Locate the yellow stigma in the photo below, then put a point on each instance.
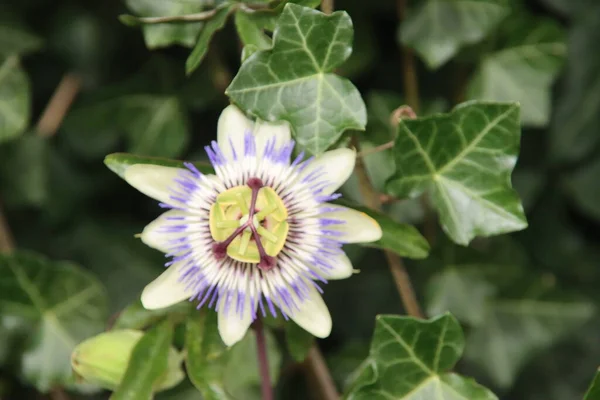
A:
(236, 221)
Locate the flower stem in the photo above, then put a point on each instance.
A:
(409, 70)
(263, 362)
(327, 6)
(7, 242)
(401, 278)
(320, 374)
(59, 104)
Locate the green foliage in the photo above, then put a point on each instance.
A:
(329, 104)
(440, 28)
(411, 359)
(465, 159)
(593, 392)
(60, 303)
(14, 98)
(298, 341)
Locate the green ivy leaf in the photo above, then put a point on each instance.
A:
(167, 34)
(250, 31)
(118, 163)
(17, 40)
(523, 70)
(210, 27)
(59, 303)
(298, 341)
(147, 365)
(14, 99)
(135, 316)
(410, 360)
(403, 239)
(465, 159)
(207, 355)
(440, 28)
(574, 130)
(292, 81)
(593, 392)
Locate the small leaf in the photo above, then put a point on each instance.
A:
(524, 70)
(166, 34)
(298, 341)
(207, 355)
(210, 27)
(250, 32)
(465, 158)
(103, 360)
(118, 163)
(14, 99)
(440, 28)
(403, 239)
(292, 81)
(410, 359)
(60, 303)
(135, 316)
(593, 392)
(148, 363)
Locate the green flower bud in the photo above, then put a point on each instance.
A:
(103, 359)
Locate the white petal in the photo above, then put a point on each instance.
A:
(337, 166)
(263, 131)
(153, 180)
(313, 315)
(233, 326)
(231, 128)
(358, 226)
(342, 267)
(153, 234)
(166, 290)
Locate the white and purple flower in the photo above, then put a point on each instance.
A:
(257, 237)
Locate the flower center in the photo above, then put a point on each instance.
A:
(249, 224)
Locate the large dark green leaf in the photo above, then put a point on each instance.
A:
(14, 98)
(147, 365)
(167, 34)
(593, 392)
(61, 304)
(524, 70)
(410, 359)
(293, 80)
(206, 33)
(465, 158)
(440, 28)
(574, 130)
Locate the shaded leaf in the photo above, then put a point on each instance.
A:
(292, 81)
(60, 303)
(524, 70)
(167, 34)
(118, 163)
(411, 359)
(14, 99)
(148, 363)
(250, 32)
(17, 40)
(582, 187)
(465, 158)
(440, 28)
(135, 316)
(403, 239)
(593, 392)
(210, 27)
(298, 341)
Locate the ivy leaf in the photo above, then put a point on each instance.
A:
(17, 40)
(515, 330)
(465, 159)
(147, 365)
(135, 316)
(210, 27)
(167, 34)
(207, 355)
(298, 341)
(14, 99)
(250, 32)
(118, 163)
(440, 28)
(574, 129)
(593, 392)
(292, 81)
(59, 303)
(410, 360)
(403, 239)
(524, 70)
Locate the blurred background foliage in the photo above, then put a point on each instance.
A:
(528, 301)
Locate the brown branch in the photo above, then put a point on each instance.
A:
(376, 149)
(373, 200)
(327, 6)
(7, 242)
(409, 70)
(201, 16)
(320, 375)
(59, 105)
(58, 394)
